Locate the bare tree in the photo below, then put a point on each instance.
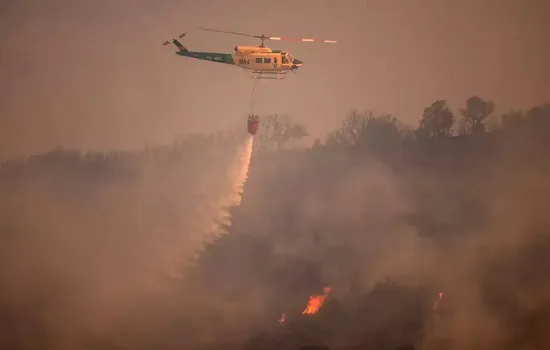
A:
(290, 132)
(277, 129)
(354, 125)
(336, 139)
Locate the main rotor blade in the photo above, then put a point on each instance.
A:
(228, 32)
(278, 38)
(288, 38)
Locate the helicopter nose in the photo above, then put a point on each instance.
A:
(296, 63)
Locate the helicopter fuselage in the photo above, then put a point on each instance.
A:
(264, 59)
(255, 58)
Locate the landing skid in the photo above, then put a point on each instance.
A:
(269, 75)
(259, 76)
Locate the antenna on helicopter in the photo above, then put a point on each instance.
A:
(263, 37)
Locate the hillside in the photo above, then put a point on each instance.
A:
(91, 244)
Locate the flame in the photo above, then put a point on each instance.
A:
(315, 302)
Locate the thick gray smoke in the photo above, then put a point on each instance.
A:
(88, 238)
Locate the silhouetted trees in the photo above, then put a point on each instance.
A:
(278, 130)
(384, 133)
(477, 111)
(512, 119)
(381, 134)
(437, 121)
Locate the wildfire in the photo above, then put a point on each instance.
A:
(315, 302)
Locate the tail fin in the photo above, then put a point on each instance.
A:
(177, 43)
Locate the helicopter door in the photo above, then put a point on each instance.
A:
(259, 63)
(275, 62)
(268, 61)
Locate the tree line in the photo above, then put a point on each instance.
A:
(386, 133)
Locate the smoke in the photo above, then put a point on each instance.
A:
(90, 244)
(334, 218)
(88, 240)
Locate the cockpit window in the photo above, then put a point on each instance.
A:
(290, 57)
(284, 60)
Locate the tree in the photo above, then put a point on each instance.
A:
(335, 139)
(279, 130)
(476, 112)
(354, 126)
(493, 123)
(512, 119)
(381, 134)
(289, 132)
(436, 121)
(538, 120)
(539, 114)
(316, 144)
(351, 130)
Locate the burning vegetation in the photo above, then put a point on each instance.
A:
(315, 302)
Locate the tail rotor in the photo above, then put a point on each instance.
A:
(179, 36)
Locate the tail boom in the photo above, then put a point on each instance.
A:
(179, 45)
(226, 58)
(208, 56)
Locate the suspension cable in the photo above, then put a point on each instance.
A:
(252, 96)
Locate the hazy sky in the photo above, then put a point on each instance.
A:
(94, 74)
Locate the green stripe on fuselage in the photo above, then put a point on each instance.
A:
(208, 56)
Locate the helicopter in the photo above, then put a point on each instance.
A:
(262, 61)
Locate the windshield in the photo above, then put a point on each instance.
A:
(290, 58)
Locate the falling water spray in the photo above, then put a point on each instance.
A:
(216, 215)
(238, 176)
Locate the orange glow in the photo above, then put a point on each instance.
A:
(315, 302)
